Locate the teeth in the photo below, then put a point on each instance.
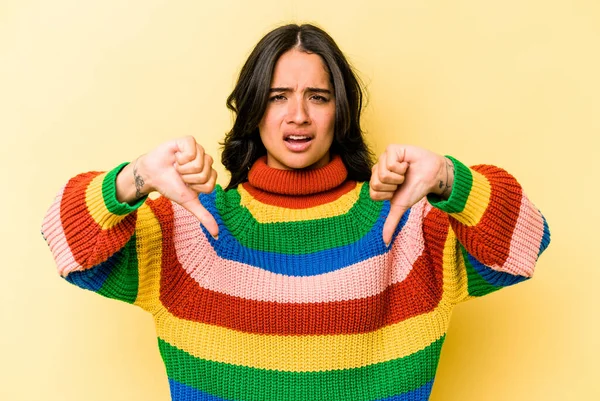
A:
(297, 137)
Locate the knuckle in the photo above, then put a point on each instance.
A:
(188, 141)
(197, 164)
(202, 177)
(386, 176)
(199, 188)
(183, 157)
(378, 186)
(377, 195)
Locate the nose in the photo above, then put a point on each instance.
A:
(297, 112)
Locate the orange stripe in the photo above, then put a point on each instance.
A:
(300, 201)
(500, 218)
(79, 226)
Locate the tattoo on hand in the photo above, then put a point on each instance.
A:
(446, 185)
(139, 182)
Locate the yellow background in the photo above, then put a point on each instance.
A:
(86, 85)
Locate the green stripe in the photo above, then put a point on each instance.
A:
(308, 236)
(122, 282)
(463, 182)
(240, 382)
(477, 286)
(109, 193)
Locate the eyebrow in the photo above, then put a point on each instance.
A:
(311, 89)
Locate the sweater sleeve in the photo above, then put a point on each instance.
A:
(102, 245)
(499, 233)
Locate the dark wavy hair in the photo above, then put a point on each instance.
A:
(242, 145)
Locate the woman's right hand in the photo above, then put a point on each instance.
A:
(178, 170)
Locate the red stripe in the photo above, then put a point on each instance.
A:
(79, 226)
(299, 201)
(419, 293)
(500, 218)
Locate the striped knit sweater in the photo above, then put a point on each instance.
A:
(299, 298)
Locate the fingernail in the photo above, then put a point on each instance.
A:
(387, 244)
(216, 237)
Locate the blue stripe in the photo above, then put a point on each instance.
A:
(494, 277)
(93, 279)
(370, 245)
(180, 391)
(545, 238)
(419, 394)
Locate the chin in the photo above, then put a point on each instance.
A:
(296, 161)
(296, 165)
(303, 163)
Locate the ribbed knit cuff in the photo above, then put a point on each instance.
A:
(461, 188)
(109, 193)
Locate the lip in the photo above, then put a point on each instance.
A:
(287, 134)
(297, 146)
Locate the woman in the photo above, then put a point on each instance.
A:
(299, 283)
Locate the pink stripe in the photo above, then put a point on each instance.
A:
(525, 241)
(211, 272)
(55, 236)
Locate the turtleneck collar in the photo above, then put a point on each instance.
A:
(297, 182)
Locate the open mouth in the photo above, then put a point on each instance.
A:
(298, 142)
(298, 138)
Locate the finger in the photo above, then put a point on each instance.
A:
(203, 176)
(196, 168)
(394, 157)
(376, 184)
(392, 221)
(196, 179)
(187, 150)
(394, 161)
(381, 187)
(387, 176)
(379, 191)
(395, 154)
(208, 221)
(205, 187)
(381, 195)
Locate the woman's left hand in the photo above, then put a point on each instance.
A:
(404, 175)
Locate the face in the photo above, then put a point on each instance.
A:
(298, 124)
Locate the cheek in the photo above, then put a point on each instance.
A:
(328, 121)
(270, 122)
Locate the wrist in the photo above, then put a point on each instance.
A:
(444, 179)
(131, 182)
(141, 180)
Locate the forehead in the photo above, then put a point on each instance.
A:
(298, 68)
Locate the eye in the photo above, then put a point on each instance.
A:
(319, 98)
(276, 98)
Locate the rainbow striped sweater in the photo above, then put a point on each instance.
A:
(298, 298)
